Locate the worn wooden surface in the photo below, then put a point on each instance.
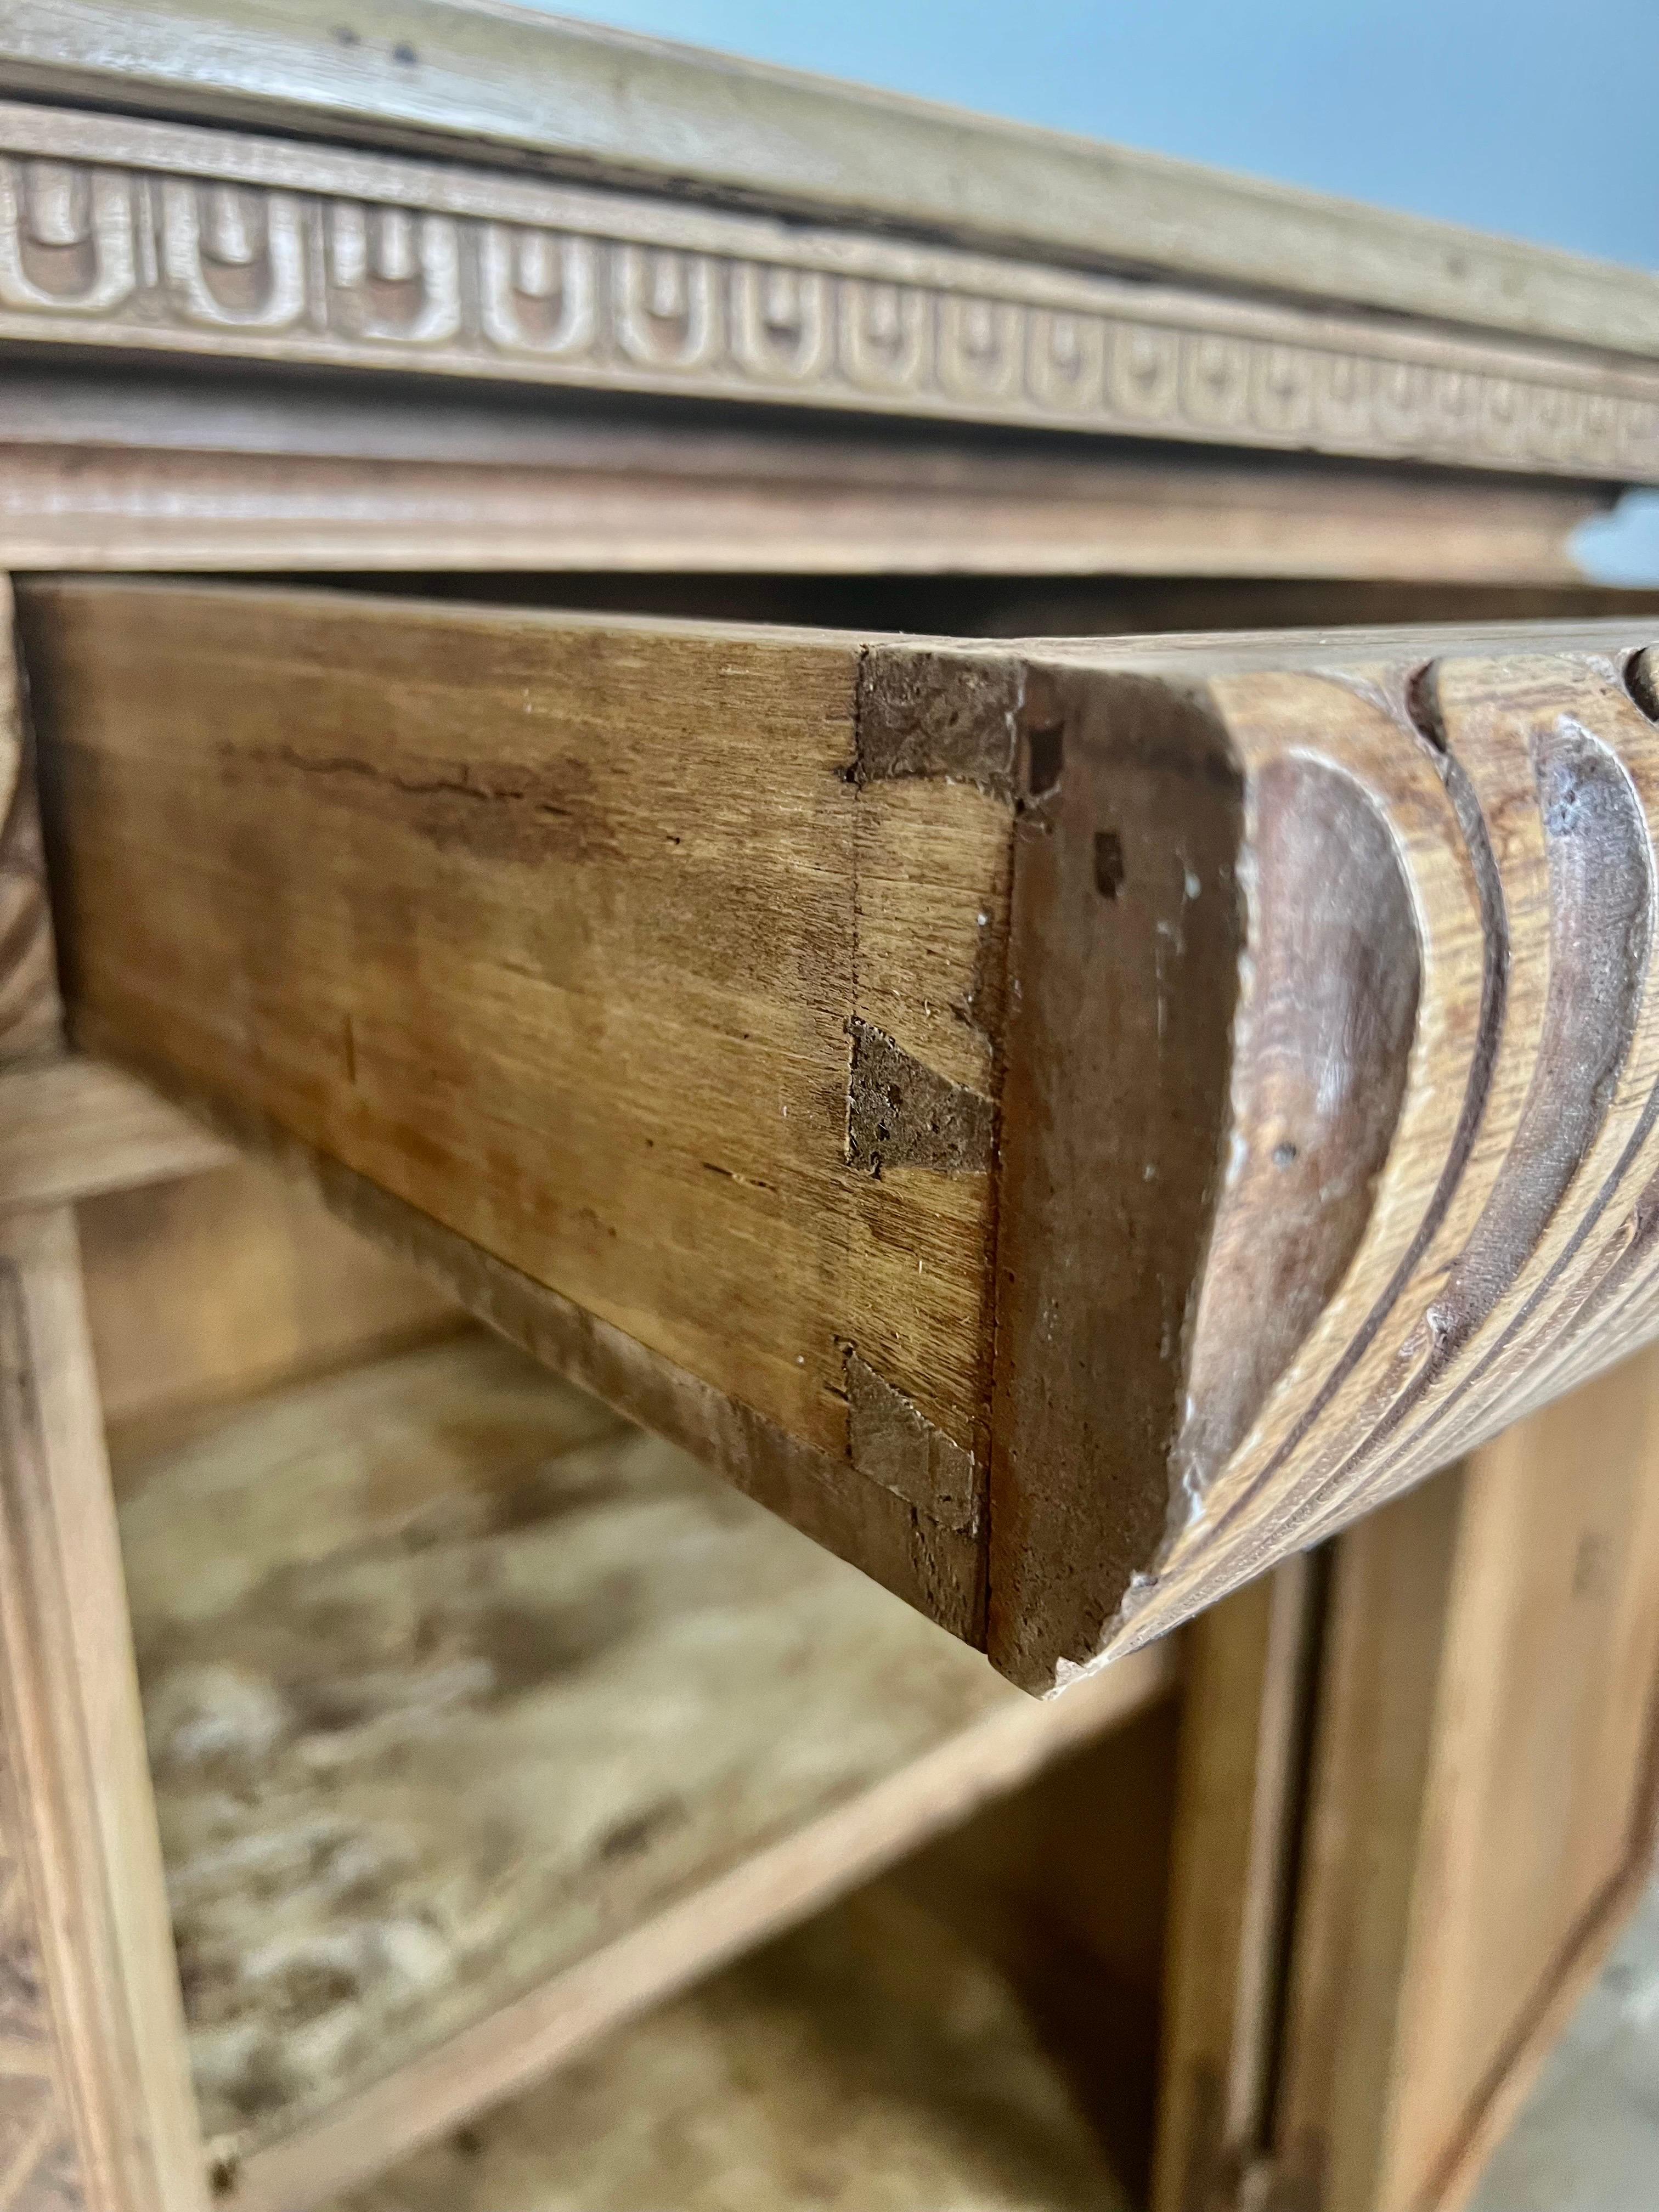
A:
(120, 236)
(231, 1281)
(872, 2059)
(1483, 1795)
(522, 1718)
(692, 936)
(867, 996)
(31, 1017)
(94, 2105)
(71, 1129)
(129, 470)
(1252, 1673)
(1470, 1818)
(1403, 1193)
(565, 96)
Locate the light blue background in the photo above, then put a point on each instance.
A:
(1539, 117)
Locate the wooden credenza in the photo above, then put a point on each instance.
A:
(940, 813)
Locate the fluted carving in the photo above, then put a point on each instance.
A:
(31, 1016)
(1429, 1162)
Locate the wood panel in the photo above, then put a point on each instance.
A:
(574, 98)
(692, 938)
(524, 1720)
(94, 2104)
(1483, 1807)
(31, 1017)
(206, 1287)
(1472, 1822)
(1067, 1123)
(132, 472)
(1065, 1885)
(1252, 1670)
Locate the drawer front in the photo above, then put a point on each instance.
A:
(1067, 1125)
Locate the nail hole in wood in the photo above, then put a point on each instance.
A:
(1108, 863)
(1044, 757)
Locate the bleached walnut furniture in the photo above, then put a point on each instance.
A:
(1074, 1125)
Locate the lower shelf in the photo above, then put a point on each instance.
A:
(480, 1721)
(869, 2062)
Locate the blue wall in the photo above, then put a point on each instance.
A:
(1533, 116)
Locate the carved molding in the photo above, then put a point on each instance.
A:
(1399, 1100)
(31, 1014)
(42, 2167)
(120, 233)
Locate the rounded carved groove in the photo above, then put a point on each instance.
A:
(1322, 1042)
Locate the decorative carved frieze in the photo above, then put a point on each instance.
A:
(121, 233)
(31, 1013)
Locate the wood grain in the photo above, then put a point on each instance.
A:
(874, 2057)
(524, 1718)
(1483, 1799)
(31, 1016)
(96, 2101)
(1424, 1193)
(1069, 1123)
(572, 98)
(231, 1281)
(71, 1129)
(691, 932)
(128, 471)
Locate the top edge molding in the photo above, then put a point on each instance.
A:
(485, 81)
(131, 235)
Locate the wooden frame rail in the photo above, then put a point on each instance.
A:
(1418, 1804)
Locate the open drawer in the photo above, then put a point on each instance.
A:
(703, 1007)
(1068, 1125)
